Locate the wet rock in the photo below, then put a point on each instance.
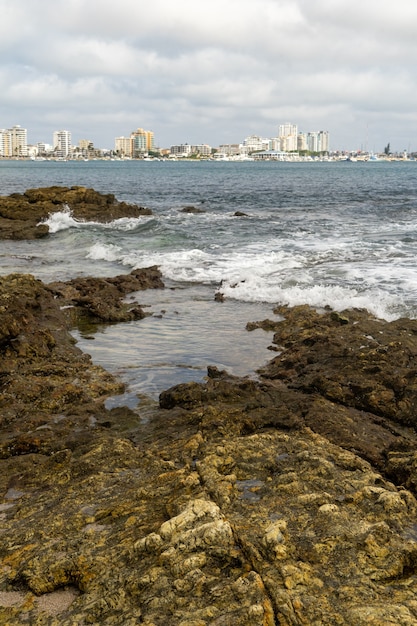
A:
(102, 299)
(22, 215)
(237, 501)
(47, 385)
(192, 210)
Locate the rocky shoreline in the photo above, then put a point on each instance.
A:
(23, 215)
(289, 500)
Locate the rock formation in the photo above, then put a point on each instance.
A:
(289, 500)
(22, 216)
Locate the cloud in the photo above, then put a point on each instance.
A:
(212, 70)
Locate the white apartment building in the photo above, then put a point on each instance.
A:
(186, 150)
(287, 129)
(302, 142)
(14, 142)
(62, 143)
(180, 150)
(318, 141)
(229, 149)
(137, 145)
(287, 134)
(290, 140)
(202, 148)
(19, 141)
(324, 141)
(254, 143)
(123, 146)
(5, 143)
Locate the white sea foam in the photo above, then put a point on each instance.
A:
(63, 220)
(104, 252)
(339, 298)
(279, 277)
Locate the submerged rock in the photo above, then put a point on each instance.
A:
(191, 209)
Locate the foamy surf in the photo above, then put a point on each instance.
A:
(321, 235)
(271, 277)
(64, 220)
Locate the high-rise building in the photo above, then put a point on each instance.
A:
(62, 143)
(5, 143)
(302, 142)
(324, 141)
(18, 140)
(290, 140)
(142, 141)
(318, 141)
(287, 133)
(312, 141)
(284, 130)
(123, 146)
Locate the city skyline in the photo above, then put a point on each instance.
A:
(212, 71)
(14, 142)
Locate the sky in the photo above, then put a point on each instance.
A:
(211, 71)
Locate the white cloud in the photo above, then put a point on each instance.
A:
(209, 69)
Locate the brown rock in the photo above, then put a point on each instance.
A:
(102, 299)
(191, 209)
(21, 215)
(237, 501)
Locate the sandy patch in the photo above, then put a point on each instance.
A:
(11, 598)
(57, 601)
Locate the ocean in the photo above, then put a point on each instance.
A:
(325, 233)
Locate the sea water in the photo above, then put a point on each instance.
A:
(326, 233)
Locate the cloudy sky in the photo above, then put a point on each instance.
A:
(211, 71)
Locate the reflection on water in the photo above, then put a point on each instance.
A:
(187, 332)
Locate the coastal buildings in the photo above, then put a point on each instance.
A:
(139, 143)
(62, 143)
(187, 150)
(142, 142)
(254, 143)
(123, 146)
(318, 141)
(5, 143)
(13, 142)
(287, 137)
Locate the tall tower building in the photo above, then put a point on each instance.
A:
(302, 141)
(62, 143)
(284, 130)
(18, 140)
(287, 133)
(313, 141)
(142, 141)
(123, 146)
(318, 141)
(324, 141)
(5, 143)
